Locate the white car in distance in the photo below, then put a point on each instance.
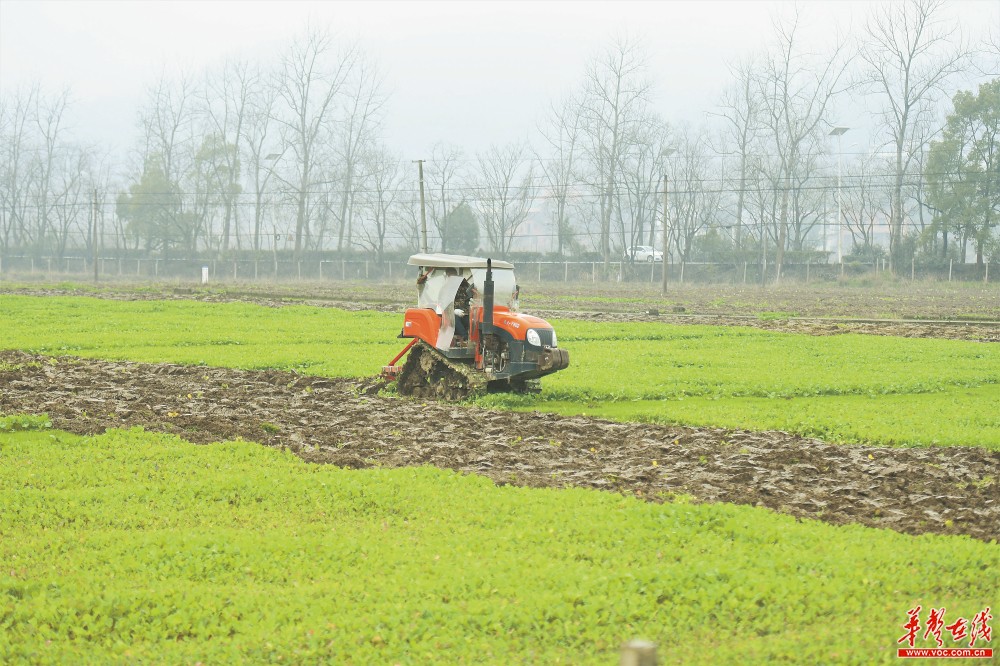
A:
(643, 253)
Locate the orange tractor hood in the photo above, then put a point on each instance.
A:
(515, 323)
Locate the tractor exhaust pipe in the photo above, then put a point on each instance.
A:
(488, 296)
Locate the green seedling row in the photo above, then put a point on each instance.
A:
(136, 547)
(850, 388)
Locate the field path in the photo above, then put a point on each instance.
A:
(947, 490)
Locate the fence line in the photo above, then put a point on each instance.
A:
(225, 270)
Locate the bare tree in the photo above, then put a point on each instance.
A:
(214, 186)
(406, 224)
(909, 56)
(562, 134)
(806, 205)
(167, 124)
(797, 90)
(441, 175)
(867, 200)
(360, 121)
(615, 100)
(258, 147)
(71, 197)
(227, 100)
(763, 203)
(48, 117)
(741, 107)
(380, 199)
(16, 114)
(505, 195)
(312, 77)
(98, 183)
(693, 201)
(642, 171)
(168, 150)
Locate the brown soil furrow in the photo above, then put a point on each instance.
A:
(946, 490)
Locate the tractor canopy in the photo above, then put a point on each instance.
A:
(441, 275)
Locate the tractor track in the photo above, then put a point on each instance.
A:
(946, 490)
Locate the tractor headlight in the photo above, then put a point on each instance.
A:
(533, 338)
(554, 343)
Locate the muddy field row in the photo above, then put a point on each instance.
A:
(933, 490)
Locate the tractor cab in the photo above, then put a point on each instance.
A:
(452, 287)
(437, 284)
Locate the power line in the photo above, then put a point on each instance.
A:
(470, 193)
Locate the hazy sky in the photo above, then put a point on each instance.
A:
(468, 73)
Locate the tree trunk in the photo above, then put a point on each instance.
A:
(779, 258)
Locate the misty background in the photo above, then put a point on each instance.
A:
(777, 131)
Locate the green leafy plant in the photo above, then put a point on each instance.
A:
(21, 422)
(139, 547)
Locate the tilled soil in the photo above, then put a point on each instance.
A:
(953, 490)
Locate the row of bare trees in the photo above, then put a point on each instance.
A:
(289, 155)
(48, 183)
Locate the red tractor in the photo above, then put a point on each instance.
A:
(467, 335)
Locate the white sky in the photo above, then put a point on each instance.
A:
(467, 73)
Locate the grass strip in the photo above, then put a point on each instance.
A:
(848, 388)
(140, 547)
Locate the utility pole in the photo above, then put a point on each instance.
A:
(666, 237)
(666, 153)
(423, 209)
(840, 205)
(839, 132)
(93, 237)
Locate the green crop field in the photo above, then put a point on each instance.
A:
(136, 547)
(851, 388)
(139, 547)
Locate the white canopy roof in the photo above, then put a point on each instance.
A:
(438, 260)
